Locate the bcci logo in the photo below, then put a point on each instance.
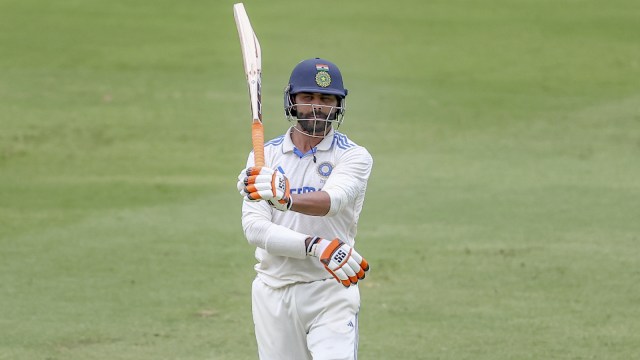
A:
(323, 79)
(325, 169)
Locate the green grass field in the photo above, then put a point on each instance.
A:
(502, 219)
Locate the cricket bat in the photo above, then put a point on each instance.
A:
(251, 55)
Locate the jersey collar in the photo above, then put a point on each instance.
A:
(324, 145)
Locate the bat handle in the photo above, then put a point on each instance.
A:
(257, 138)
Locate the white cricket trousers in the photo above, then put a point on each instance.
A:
(306, 321)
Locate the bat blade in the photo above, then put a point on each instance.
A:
(252, 57)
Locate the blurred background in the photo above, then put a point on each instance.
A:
(501, 219)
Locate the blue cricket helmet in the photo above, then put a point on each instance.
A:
(315, 76)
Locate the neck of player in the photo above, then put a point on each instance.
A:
(304, 142)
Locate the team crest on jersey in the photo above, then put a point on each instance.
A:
(325, 169)
(323, 79)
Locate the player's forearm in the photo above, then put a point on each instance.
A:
(314, 203)
(275, 239)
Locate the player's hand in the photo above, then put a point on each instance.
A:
(341, 260)
(262, 183)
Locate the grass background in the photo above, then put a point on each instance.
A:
(501, 219)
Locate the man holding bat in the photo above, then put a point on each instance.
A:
(301, 211)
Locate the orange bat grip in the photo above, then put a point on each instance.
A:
(257, 138)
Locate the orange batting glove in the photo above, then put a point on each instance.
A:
(262, 183)
(341, 260)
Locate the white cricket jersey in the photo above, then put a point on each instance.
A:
(337, 166)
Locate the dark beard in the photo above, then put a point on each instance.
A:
(315, 127)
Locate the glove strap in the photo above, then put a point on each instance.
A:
(289, 202)
(313, 246)
(279, 207)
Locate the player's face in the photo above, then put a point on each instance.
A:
(314, 109)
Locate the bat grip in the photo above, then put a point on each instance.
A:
(257, 138)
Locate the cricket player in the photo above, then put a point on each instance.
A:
(301, 212)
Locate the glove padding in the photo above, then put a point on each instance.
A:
(341, 260)
(262, 183)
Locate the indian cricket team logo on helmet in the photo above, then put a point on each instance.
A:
(323, 79)
(325, 169)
